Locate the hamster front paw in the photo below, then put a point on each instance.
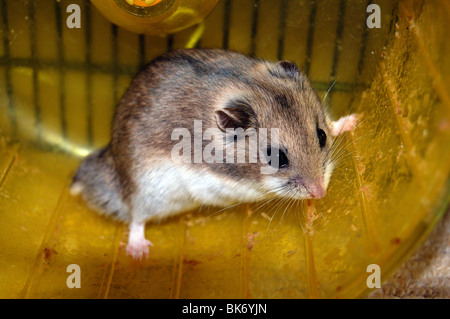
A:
(137, 243)
(139, 249)
(344, 124)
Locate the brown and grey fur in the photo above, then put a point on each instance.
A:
(133, 178)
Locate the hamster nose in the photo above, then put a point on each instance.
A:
(316, 190)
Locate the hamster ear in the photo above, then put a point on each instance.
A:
(290, 68)
(236, 114)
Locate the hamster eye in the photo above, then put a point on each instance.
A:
(282, 158)
(322, 137)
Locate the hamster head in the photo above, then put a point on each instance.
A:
(294, 155)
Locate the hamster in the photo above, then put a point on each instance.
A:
(140, 175)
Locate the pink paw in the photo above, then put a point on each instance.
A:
(138, 248)
(344, 124)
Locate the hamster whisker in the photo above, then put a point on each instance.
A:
(336, 152)
(299, 210)
(226, 208)
(285, 208)
(342, 151)
(303, 216)
(340, 163)
(361, 122)
(270, 200)
(336, 143)
(276, 209)
(288, 206)
(234, 205)
(339, 147)
(264, 203)
(328, 91)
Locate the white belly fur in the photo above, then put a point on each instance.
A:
(168, 189)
